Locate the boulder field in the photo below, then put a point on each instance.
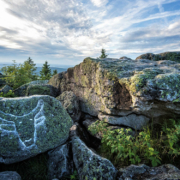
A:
(53, 116)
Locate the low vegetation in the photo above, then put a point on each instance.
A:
(148, 147)
(19, 74)
(9, 94)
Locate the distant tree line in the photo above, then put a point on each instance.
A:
(19, 74)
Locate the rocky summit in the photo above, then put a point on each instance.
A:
(124, 88)
(83, 122)
(31, 125)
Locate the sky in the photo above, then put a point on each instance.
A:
(65, 32)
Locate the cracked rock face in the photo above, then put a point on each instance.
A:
(121, 87)
(31, 125)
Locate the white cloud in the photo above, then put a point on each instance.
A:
(71, 29)
(99, 3)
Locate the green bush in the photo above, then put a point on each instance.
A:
(121, 148)
(17, 75)
(9, 94)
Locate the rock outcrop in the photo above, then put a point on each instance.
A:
(127, 89)
(31, 125)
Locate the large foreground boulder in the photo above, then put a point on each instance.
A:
(130, 89)
(31, 125)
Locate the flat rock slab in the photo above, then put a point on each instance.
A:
(133, 121)
(31, 125)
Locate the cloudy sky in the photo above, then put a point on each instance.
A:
(67, 31)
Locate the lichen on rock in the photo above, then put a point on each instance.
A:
(31, 125)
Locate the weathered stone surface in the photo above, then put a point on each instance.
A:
(21, 91)
(143, 172)
(91, 122)
(31, 125)
(6, 89)
(89, 164)
(173, 56)
(41, 89)
(71, 103)
(60, 162)
(133, 121)
(9, 175)
(115, 87)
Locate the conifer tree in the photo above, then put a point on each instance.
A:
(31, 67)
(103, 54)
(54, 72)
(45, 71)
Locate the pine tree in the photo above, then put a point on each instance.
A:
(103, 54)
(45, 71)
(54, 72)
(31, 68)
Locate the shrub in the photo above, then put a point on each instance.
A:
(17, 75)
(121, 148)
(9, 94)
